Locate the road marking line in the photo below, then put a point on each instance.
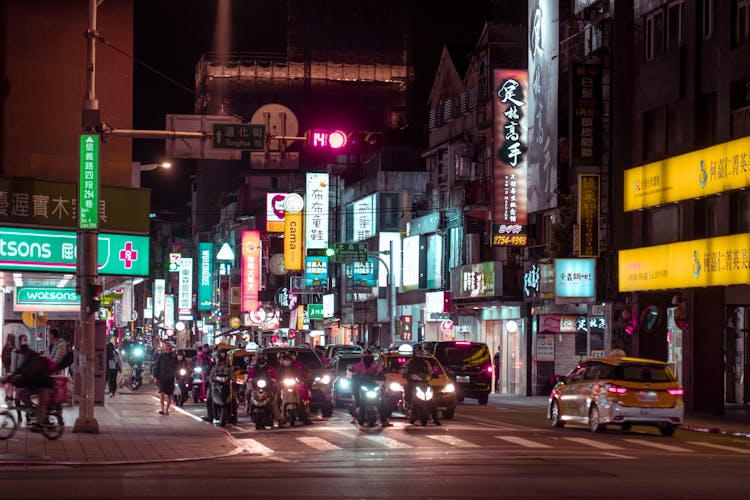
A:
(661, 446)
(389, 442)
(617, 455)
(453, 441)
(254, 446)
(318, 443)
(594, 444)
(721, 447)
(523, 442)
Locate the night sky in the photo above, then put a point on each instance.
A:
(171, 36)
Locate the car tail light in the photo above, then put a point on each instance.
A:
(488, 369)
(676, 391)
(616, 389)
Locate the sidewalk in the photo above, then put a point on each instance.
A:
(735, 422)
(130, 431)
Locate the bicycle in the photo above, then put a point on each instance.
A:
(55, 426)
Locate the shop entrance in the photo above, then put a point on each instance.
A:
(737, 355)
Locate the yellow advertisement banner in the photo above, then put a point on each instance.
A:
(708, 171)
(293, 238)
(724, 260)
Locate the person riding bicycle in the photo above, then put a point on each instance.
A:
(367, 369)
(33, 377)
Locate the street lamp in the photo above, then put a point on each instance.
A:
(137, 168)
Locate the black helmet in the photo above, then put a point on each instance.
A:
(261, 360)
(367, 358)
(222, 355)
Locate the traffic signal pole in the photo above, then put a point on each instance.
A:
(87, 272)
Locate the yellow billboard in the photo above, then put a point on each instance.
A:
(724, 260)
(708, 171)
(293, 241)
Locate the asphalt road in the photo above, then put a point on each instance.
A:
(485, 451)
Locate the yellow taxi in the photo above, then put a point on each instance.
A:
(618, 391)
(393, 393)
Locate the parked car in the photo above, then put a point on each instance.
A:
(395, 382)
(316, 376)
(342, 384)
(621, 391)
(469, 365)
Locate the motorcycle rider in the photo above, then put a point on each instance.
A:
(290, 367)
(367, 369)
(203, 359)
(220, 369)
(260, 369)
(418, 368)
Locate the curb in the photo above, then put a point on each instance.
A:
(715, 430)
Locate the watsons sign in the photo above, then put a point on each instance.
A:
(46, 299)
(55, 251)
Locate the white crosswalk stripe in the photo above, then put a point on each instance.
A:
(593, 443)
(453, 441)
(721, 447)
(526, 443)
(661, 446)
(254, 446)
(387, 442)
(318, 443)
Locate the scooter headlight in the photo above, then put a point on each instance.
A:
(395, 387)
(137, 352)
(182, 372)
(261, 383)
(325, 379)
(371, 392)
(424, 395)
(449, 388)
(289, 382)
(344, 383)
(198, 369)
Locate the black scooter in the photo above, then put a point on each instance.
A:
(225, 406)
(261, 399)
(136, 376)
(182, 385)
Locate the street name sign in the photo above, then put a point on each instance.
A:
(55, 251)
(237, 136)
(88, 182)
(350, 252)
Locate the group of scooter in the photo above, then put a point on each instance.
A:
(418, 405)
(292, 400)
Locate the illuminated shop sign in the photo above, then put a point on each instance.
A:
(708, 171)
(55, 251)
(293, 236)
(46, 299)
(250, 270)
(588, 215)
(160, 286)
(586, 135)
(574, 278)
(724, 260)
(205, 276)
(510, 158)
(411, 272)
(185, 297)
(364, 217)
(477, 280)
(88, 183)
(364, 274)
(275, 212)
(316, 271)
(316, 210)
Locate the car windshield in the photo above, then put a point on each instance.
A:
(462, 354)
(639, 372)
(345, 362)
(394, 363)
(309, 360)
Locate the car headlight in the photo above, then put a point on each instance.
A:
(449, 388)
(395, 387)
(325, 379)
(344, 383)
(289, 382)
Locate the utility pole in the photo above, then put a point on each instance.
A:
(87, 272)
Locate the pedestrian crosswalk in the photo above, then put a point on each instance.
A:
(333, 437)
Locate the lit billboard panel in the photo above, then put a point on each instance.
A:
(275, 212)
(316, 210)
(250, 270)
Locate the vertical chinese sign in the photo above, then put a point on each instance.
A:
(510, 158)
(586, 128)
(185, 297)
(88, 183)
(205, 276)
(250, 270)
(293, 243)
(316, 211)
(588, 214)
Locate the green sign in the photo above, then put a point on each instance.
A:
(236, 136)
(205, 276)
(55, 251)
(46, 299)
(53, 205)
(350, 252)
(88, 183)
(315, 311)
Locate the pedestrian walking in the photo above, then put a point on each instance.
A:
(8, 348)
(57, 348)
(496, 362)
(164, 374)
(114, 367)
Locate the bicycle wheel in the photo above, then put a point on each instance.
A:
(8, 425)
(55, 428)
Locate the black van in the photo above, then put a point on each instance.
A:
(468, 364)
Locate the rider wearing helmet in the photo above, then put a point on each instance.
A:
(290, 367)
(367, 369)
(261, 369)
(418, 368)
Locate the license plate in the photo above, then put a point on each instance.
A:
(462, 378)
(647, 396)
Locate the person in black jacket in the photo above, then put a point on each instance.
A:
(165, 370)
(33, 377)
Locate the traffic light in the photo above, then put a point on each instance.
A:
(330, 252)
(338, 141)
(92, 305)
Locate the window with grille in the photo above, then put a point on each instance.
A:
(674, 25)
(653, 31)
